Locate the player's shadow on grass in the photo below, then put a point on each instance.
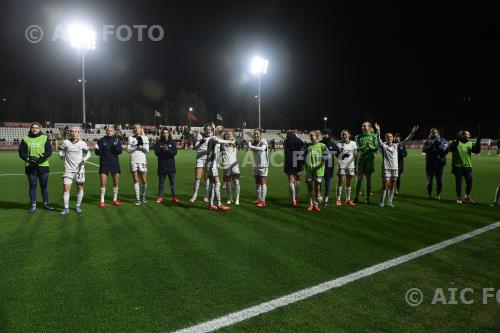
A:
(13, 205)
(423, 198)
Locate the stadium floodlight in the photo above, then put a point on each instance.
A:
(82, 37)
(325, 119)
(259, 66)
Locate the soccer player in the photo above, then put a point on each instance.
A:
(75, 153)
(367, 147)
(260, 152)
(294, 163)
(346, 167)
(231, 168)
(165, 150)
(200, 146)
(213, 149)
(138, 147)
(333, 148)
(390, 168)
(461, 165)
(108, 148)
(35, 149)
(435, 149)
(402, 153)
(315, 155)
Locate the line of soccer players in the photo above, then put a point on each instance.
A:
(216, 147)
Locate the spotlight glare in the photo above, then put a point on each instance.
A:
(259, 65)
(81, 36)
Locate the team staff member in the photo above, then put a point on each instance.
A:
(108, 148)
(294, 163)
(435, 149)
(35, 149)
(165, 150)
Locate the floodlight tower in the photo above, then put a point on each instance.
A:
(325, 119)
(258, 67)
(82, 37)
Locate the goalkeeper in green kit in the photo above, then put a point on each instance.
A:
(367, 147)
(316, 155)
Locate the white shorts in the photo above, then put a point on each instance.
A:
(232, 171)
(139, 167)
(346, 172)
(390, 173)
(260, 172)
(70, 177)
(212, 172)
(312, 178)
(200, 162)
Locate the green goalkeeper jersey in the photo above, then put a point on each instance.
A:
(367, 152)
(315, 163)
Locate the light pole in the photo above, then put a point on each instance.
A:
(325, 119)
(258, 67)
(189, 116)
(82, 37)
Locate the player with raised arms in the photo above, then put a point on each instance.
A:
(259, 148)
(231, 168)
(346, 167)
(75, 153)
(200, 146)
(367, 146)
(211, 168)
(315, 155)
(109, 148)
(294, 163)
(390, 169)
(138, 147)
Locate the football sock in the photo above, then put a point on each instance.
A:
(384, 194)
(143, 190)
(228, 190)
(297, 187)
(391, 195)
(66, 199)
(497, 194)
(103, 193)
(258, 189)
(79, 197)
(348, 193)
(136, 190)
(339, 192)
(196, 188)
(237, 188)
(264, 192)
(115, 193)
(217, 193)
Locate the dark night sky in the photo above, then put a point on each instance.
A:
(398, 65)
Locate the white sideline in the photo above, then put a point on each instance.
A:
(257, 310)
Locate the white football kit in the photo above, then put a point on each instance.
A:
(390, 167)
(230, 160)
(213, 155)
(75, 154)
(138, 159)
(260, 158)
(201, 147)
(345, 159)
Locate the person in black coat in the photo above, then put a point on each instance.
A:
(294, 163)
(402, 153)
(108, 148)
(165, 150)
(435, 149)
(35, 149)
(334, 149)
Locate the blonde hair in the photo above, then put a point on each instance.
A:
(219, 131)
(141, 129)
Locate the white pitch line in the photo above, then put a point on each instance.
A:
(300, 295)
(87, 162)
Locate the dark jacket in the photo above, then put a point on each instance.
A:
(108, 148)
(334, 149)
(166, 157)
(294, 150)
(23, 154)
(435, 149)
(402, 153)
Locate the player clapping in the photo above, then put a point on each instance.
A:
(260, 152)
(200, 146)
(74, 152)
(231, 168)
(316, 153)
(138, 147)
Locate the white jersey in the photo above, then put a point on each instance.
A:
(213, 151)
(74, 153)
(138, 153)
(390, 153)
(260, 154)
(345, 159)
(201, 146)
(229, 156)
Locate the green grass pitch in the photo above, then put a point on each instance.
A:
(158, 268)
